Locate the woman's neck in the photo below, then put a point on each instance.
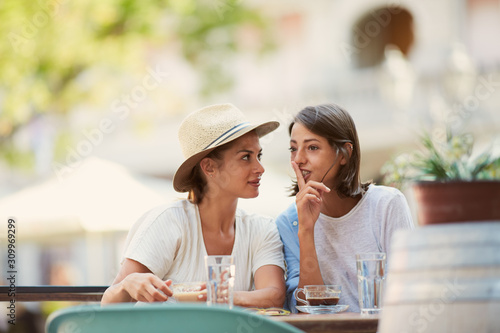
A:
(217, 213)
(218, 224)
(335, 206)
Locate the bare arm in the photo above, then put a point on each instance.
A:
(135, 282)
(310, 274)
(308, 202)
(269, 289)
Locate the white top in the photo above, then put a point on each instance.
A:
(368, 227)
(168, 240)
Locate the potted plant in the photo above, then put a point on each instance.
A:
(451, 184)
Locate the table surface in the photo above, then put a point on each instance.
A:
(338, 322)
(311, 323)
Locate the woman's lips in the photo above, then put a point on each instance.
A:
(255, 183)
(305, 174)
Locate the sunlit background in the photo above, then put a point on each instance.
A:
(92, 93)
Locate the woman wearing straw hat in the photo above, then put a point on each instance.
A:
(335, 215)
(169, 243)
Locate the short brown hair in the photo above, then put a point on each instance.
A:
(336, 125)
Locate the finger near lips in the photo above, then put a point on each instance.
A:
(301, 182)
(298, 174)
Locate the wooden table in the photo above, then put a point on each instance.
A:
(346, 322)
(340, 322)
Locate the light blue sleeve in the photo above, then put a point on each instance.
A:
(288, 227)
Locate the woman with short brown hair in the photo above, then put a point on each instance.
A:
(335, 215)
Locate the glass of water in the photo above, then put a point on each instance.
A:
(220, 280)
(371, 280)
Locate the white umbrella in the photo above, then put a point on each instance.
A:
(98, 196)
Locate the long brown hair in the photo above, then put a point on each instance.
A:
(333, 123)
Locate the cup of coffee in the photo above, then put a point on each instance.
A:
(317, 295)
(188, 291)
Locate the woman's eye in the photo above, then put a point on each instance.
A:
(246, 157)
(313, 148)
(292, 149)
(259, 156)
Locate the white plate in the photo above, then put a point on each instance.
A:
(322, 308)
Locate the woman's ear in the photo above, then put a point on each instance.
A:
(346, 153)
(207, 166)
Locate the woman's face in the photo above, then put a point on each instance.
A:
(313, 154)
(239, 172)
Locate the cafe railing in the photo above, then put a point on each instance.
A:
(52, 293)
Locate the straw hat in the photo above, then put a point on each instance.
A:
(208, 128)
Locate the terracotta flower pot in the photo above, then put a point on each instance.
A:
(458, 201)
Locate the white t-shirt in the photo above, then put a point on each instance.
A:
(368, 227)
(168, 240)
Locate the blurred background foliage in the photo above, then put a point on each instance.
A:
(57, 55)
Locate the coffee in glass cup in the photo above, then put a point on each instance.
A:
(319, 295)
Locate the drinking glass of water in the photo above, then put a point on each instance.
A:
(371, 280)
(220, 280)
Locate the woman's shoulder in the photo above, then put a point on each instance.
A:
(290, 213)
(382, 198)
(382, 192)
(287, 222)
(158, 219)
(169, 212)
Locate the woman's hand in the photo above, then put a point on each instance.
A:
(135, 282)
(308, 199)
(147, 287)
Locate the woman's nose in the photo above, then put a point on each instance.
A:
(298, 157)
(259, 168)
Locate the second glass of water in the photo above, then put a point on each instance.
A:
(371, 280)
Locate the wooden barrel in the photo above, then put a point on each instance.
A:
(444, 278)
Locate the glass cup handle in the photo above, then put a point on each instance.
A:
(296, 295)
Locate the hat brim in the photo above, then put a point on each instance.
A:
(184, 171)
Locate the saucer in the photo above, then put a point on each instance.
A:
(322, 308)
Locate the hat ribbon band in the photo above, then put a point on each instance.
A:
(226, 135)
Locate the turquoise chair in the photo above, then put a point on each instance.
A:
(161, 317)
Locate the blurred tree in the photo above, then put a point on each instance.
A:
(56, 54)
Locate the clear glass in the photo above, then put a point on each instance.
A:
(220, 280)
(319, 295)
(371, 281)
(187, 291)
